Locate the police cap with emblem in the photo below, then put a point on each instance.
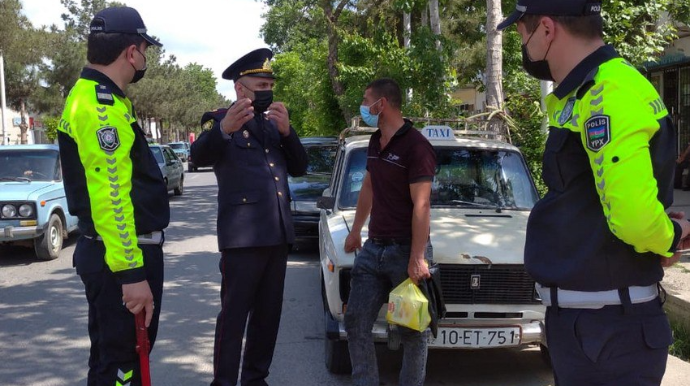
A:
(124, 20)
(551, 8)
(256, 63)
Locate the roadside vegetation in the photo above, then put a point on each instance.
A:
(681, 342)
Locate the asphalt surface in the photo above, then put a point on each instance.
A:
(43, 335)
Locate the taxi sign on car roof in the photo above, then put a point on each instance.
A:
(438, 132)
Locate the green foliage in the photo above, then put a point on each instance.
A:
(681, 341)
(630, 26)
(50, 125)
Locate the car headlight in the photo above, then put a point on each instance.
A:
(9, 211)
(26, 210)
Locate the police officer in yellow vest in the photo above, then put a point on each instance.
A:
(598, 240)
(115, 188)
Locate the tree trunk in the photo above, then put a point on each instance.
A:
(407, 29)
(425, 16)
(494, 58)
(332, 16)
(23, 126)
(435, 20)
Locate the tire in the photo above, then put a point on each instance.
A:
(49, 244)
(180, 187)
(337, 357)
(190, 167)
(545, 355)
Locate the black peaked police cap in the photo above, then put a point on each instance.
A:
(256, 63)
(551, 8)
(124, 20)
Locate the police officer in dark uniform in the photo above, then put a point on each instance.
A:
(252, 148)
(115, 188)
(598, 241)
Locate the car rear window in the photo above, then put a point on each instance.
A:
(321, 159)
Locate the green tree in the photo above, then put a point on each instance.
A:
(21, 45)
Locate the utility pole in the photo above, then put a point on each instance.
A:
(2, 98)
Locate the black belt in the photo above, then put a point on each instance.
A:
(390, 241)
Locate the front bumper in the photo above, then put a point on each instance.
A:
(532, 331)
(10, 233)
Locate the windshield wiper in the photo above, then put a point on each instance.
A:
(491, 206)
(25, 179)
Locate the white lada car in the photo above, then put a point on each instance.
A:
(481, 197)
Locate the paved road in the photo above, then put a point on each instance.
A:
(43, 338)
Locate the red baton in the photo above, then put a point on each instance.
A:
(143, 347)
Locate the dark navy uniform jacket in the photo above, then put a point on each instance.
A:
(252, 167)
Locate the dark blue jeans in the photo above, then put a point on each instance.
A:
(377, 270)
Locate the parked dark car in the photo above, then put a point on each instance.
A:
(305, 190)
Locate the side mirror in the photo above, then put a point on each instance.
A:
(325, 202)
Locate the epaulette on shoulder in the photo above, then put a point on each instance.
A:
(104, 95)
(215, 115)
(587, 83)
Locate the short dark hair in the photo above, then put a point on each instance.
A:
(104, 48)
(588, 27)
(387, 88)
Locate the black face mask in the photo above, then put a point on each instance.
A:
(537, 68)
(262, 100)
(138, 74)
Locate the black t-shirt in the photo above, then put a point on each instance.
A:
(408, 158)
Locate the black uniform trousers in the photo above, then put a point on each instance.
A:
(612, 346)
(252, 287)
(113, 357)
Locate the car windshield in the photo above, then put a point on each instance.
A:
(177, 146)
(465, 177)
(157, 154)
(321, 159)
(29, 165)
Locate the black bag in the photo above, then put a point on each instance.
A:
(431, 288)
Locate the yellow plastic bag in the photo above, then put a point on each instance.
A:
(408, 307)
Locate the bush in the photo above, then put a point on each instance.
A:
(681, 342)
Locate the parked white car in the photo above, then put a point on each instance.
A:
(481, 198)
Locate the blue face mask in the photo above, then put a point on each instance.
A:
(367, 117)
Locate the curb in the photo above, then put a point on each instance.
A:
(677, 308)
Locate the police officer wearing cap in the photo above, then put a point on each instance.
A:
(252, 149)
(599, 239)
(114, 186)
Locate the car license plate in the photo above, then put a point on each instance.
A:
(468, 337)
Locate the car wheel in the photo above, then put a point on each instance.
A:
(338, 357)
(49, 244)
(545, 355)
(337, 354)
(180, 187)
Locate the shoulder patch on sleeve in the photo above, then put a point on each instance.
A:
(598, 132)
(104, 95)
(108, 138)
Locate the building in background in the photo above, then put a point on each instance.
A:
(12, 131)
(670, 75)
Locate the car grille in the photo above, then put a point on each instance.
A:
(494, 284)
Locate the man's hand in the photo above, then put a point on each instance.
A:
(238, 114)
(684, 242)
(418, 269)
(353, 242)
(278, 114)
(137, 297)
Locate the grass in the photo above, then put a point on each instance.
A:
(681, 345)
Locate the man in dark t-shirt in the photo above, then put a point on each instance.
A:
(396, 193)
